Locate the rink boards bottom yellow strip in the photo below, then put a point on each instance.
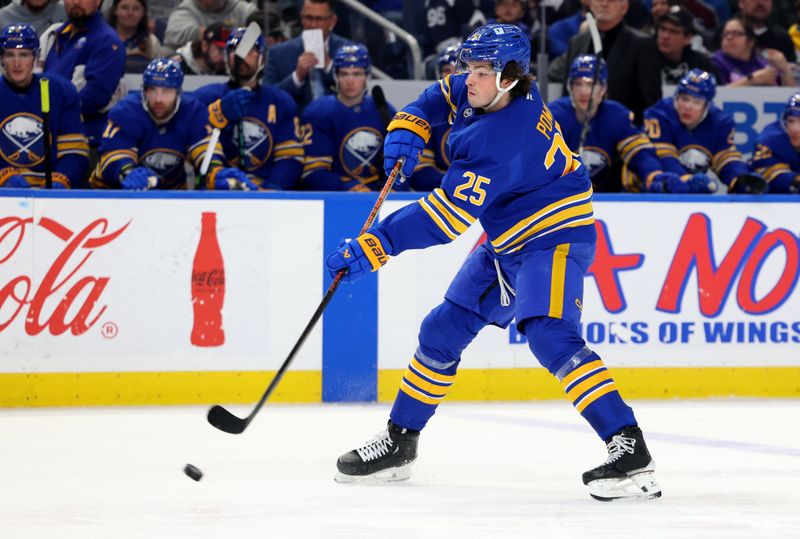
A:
(633, 383)
(143, 388)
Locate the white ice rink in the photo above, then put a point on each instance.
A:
(727, 468)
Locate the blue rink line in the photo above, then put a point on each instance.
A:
(662, 437)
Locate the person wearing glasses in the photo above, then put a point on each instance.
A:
(292, 69)
(741, 63)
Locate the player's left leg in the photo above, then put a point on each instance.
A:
(549, 302)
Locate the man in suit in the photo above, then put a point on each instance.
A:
(633, 77)
(292, 69)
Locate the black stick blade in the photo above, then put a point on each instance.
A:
(225, 421)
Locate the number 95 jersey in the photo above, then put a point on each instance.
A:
(511, 169)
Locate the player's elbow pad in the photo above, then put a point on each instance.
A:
(412, 119)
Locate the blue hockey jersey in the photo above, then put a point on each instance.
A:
(709, 146)
(343, 145)
(612, 139)
(435, 160)
(775, 158)
(93, 58)
(23, 136)
(271, 137)
(511, 169)
(132, 138)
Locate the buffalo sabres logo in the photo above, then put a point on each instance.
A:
(359, 148)
(256, 142)
(168, 164)
(22, 140)
(695, 159)
(594, 159)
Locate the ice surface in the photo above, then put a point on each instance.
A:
(728, 468)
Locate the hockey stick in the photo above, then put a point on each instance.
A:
(224, 420)
(598, 51)
(44, 87)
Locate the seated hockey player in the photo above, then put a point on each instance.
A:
(150, 135)
(22, 146)
(512, 170)
(260, 131)
(344, 131)
(776, 155)
(611, 138)
(692, 135)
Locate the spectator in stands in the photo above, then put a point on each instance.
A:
(40, 14)
(22, 148)
(739, 62)
(633, 77)
(344, 133)
(205, 55)
(511, 12)
(129, 19)
(768, 35)
(87, 51)
(559, 34)
(192, 17)
(437, 23)
(673, 40)
(291, 68)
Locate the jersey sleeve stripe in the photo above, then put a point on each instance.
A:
(770, 173)
(438, 221)
(452, 220)
(442, 196)
(116, 155)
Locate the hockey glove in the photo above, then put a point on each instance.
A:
(229, 179)
(748, 184)
(231, 107)
(407, 137)
(701, 183)
(364, 254)
(140, 178)
(667, 182)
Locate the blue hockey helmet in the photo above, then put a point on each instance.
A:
(236, 36)
(498, 44)
(353, 55)
(164, 72)
(792, 108)
(448, 57)
(698, 83)
(583, 67)
(19, 36)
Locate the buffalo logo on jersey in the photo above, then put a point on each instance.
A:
(168, 164)
(695, 159)
(257, 139)
(22, 140)
(594, 159)
(358, 151)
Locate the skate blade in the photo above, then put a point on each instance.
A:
(390, 475)
(640, 486)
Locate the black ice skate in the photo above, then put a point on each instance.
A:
(387, 457)
(628, 471)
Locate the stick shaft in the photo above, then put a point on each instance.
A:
(44, 87)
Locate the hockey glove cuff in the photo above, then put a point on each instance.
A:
(231, 107)
(749, 184)
(365, 254)
(407, 137)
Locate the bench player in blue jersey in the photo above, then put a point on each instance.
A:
(150, 135)
(612, 139)
(512, 170)
(344, 132)
(692, 136)
(777, 152)
(22, 134)
(269, 147)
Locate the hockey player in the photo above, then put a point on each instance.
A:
(344, 132)
(692, 135)
(512, 170)
(150, 135)
(434, 160)
(260, 129)
(22, 143)
(776, 155)
(612, 139)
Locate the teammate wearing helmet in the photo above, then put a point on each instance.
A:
(692, 136)
(344, 132)
(22, 148)
(435, 159)
(776, 155)
(150, 134)
(612, 139)
(512, 170)
(261, 133)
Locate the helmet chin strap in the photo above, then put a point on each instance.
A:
(500, 91)
(169, 116)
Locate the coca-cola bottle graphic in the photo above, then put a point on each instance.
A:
(208, 286)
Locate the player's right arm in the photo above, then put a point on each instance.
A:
(767, 162)
(118, 152)
(659, 131)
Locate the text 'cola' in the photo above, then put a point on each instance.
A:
(208, 286)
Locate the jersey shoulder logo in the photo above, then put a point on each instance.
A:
(22, 140)
(358, 150)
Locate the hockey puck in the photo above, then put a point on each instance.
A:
(193, 472)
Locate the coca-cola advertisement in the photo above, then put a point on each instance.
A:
(208, 286)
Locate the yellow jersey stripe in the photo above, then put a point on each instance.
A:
(563, 215)
(436, 219)
(558, 277)
(570, 224)
(425, 385)
(416, 395)
(444, 85)
(425, 371)
(456, 225)
(588, 384)
(583, 370)
(442, 196)
(594, 395)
